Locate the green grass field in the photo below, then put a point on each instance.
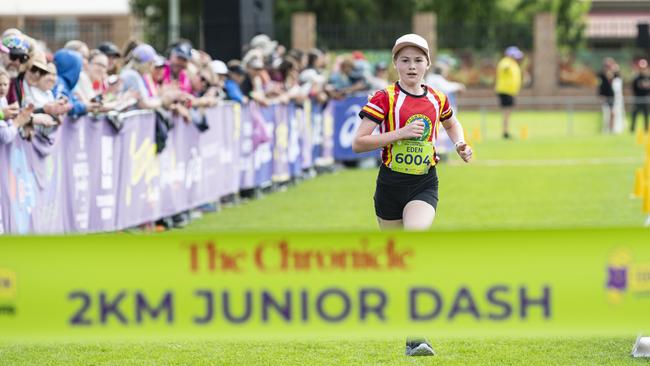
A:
(561, 176)
(472, 351)
(550, 180)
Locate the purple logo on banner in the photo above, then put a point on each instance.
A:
(346, 123)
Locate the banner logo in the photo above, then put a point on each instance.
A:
(427, 125)
(7, 292)
(626, 276)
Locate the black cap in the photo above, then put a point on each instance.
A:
(237, 69)
(109, 49)
(183, 50)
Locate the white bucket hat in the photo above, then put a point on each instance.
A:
(414, 40)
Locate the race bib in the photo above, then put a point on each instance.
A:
(412, 157)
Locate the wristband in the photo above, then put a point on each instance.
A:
(2, 115)
(459, 143)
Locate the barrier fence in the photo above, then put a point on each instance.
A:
(95, 178)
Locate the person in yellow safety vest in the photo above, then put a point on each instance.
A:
(508, 83)
(407, 114)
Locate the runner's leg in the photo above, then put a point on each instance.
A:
(418, 215)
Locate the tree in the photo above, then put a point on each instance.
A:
(570, 17)
(155, 14)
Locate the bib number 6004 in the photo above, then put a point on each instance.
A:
(412, 159)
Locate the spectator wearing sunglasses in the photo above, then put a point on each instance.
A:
(35, 95)
(18, 54)
(15, 62)
(32, 93)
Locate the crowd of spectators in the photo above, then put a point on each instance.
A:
(40, 86)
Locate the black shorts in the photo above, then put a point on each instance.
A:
(506, 100)
(394, 190)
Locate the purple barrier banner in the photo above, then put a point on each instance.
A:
(327, 154)
(230, 133)
(281, 143)
(103, 144)
(17, 188)
(246, 151)
(89, 177)
(206, 165)
(306, 146)
(346, 123)
(139, 183)
(263, 127)
(31, 182)
(178, 168)
(296, 123)
(317, 132)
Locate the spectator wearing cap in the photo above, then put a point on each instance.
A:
(262, 47)
(235, 77)
(176, 68)
(264, 43)
(361, 64)
(17, 56)
(37, 92)
(508, 83)
(159, 68)
(15, 62)
(255, 80)
(220, 73)
(32, 94)
(114, 56)
(136, 76)
(641, 90)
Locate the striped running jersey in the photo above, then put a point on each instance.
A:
(393, 108)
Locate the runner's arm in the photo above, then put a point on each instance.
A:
(364, 140)
(454, 129)
(457, 136)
